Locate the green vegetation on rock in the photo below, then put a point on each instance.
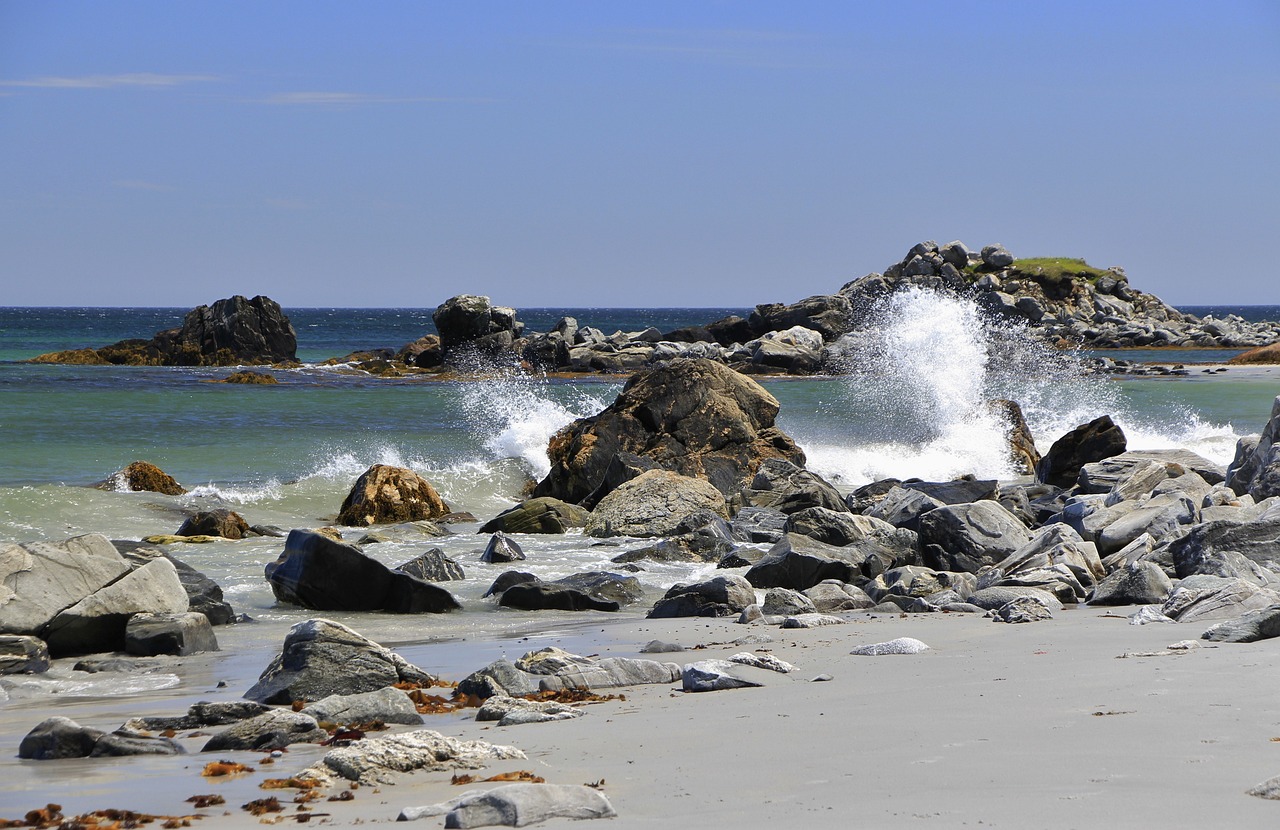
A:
(1056, 268)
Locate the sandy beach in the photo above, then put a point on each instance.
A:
(1063, 723)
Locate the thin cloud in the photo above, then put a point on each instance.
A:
(136, 80)
(138, 184)
(349, 99)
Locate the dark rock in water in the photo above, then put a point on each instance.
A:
(965, 537)
(57, 738)
(97, 622)
(147, 635)
(1263, 624)
(538, 596)
(203, 594)
(653, 504)
(1087, 443)
(782, 485)
(433, 566)
(251, 378)
(21, 654)
(322, 658)
(390, 494)
(508, 578)
(720, 596)
(604, 585)
(143, 476)
(758, 524)
(799, 562)
(501, 548)
(316, 572)
(623, 467)
(474, 322)
(542, 515)
(220, 522)
(689, 415)
(960, 491)
(425, 352)
(276, 729)
(202, 714)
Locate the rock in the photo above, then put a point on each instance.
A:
(502, 548)
(611, 673)
(509, 711)
(374, 761)
(623, 467)
(799, 562)
(1179, 459)
(21, 654)
(604, 585)
(1023, 610)
(203, 594)
(831, 596)
(57, 738)
(322, 658)
(1262, 624)
(689, 415)
(97, 622)
(1256, 468)
(538, 596)
(234, 331)
(501, 677)
(796, 351)
(390, 494)
(316, 572)
(188, 632)
(1138, 583)
(660, 647)
(969, 536)
(1159, 516)
(841, 529)
(387, 705)
(1271, 787)
(902, 507)
(1202, 597)
(508, 578)
(474, 322)
(1258, 542)
(902, 645)
(782, 485)
(1094, 441)
(992, 598)
(227, 524)
(200, 715)
(541, 515)
(811, 620)
(250, 378)
(829, 315)
(960, 491)
(517, 805)
(271, 730)
(143, 476)
(758, 524)
(1056, 545)
(762, 661)
(1136, 482)
(720, 596)
(996, 257)
(652, 504)
(40, 579)
(786, 602)
(433, 566)
(712, 676)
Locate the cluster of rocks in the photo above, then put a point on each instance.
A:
(232, 332)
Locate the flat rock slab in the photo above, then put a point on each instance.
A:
(1262, 624)
(902, 645)
(388, 705)
(513, 711)
(713, 676)
(517, 805)
(811, 621)
(273, 730)
(378, 760)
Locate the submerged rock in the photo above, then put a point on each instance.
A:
(143, 476)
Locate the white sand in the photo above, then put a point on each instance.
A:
(996, 726)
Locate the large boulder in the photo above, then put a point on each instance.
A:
(40, 579)
(317, 572)
(965, 537)
(539, 596)
(203, 594)
(1100, 438)
(222, 522)
(1206, 544)
(390, 494)
(781, 485)
(653, 504)
(231, 332)
(270, 730)
(321, 658)
(57, 738)
(720, 596)
(690, 415)
(471, 321)
(1256, 468)
(189, 632)
(799, 563)
(98, 622)
(541, 515)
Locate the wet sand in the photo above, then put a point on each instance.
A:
(1036, 725)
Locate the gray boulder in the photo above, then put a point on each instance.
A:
(317, 572)
(786, 602)
(1262, 624)
(713, 676)
(203, 594)
(787, 487)
(1159, 516)
(965, 537)
(995, 596)
(200, 715)
(1094, 441)
(21, 654)
(187, 632)
(1023, 610)
(759, 524)
(1257, 541)
(433, 566)
(959, 491)
(902, 507)
(40, 579)
(518, 805)
(502, 548)
(539, 596)
(501, 677)
(653, 504)
(322, 658)
(831, 596)
(720, 596)
(1203, 597)
(388, 705)
(799, 562)
(1256, 468)
(511, 711)
(271, 730)
(1138, 583)
(611, 673)
(97, 622)
(57, 738)
(996, 257)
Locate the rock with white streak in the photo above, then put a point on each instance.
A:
(512, 711)
(713, 676)
(762, 661)
(902, 645)
(377, 760)
(811, 621)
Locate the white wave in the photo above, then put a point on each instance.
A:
(268, 491)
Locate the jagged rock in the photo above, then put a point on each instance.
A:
(189, 632)
(1023, 610)
(902, 645)
(388, 705)
(40, 579)
(712, 676)
(604, 585)
(720, 596)
(21, 654)
(652, 504)
(841, 529)
(510, 711)
(1056, 545)
(690, 415)
(762, 661)
(964, 537)
(782, 485)
(222, 522)
(321, 658)
(799, 562)
(1087, 443)
(146, 477)
(829, 315)
(433, 566)
(474, 322)
(390, 494)
(97, 622)
(271, 730)
(1159, 516)
(316, 572)
(501, 548)
(541, 515)
(993, 597)
(57, 738)
(1257, 541)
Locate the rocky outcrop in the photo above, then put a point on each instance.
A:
(143, 476)
(316, 572)
(1100, 438)
(469, 322)
(231, 332)
(690, 416)
(384, 493)
(1256, 467)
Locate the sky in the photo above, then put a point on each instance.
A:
(579, 154)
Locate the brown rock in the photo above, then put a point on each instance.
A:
(390, 494)
(1260, 355)
(222, 522)
(142, 475)
(249, 376)
(1022, 445)
(690, 415)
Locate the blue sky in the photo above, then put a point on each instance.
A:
(625, 154)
